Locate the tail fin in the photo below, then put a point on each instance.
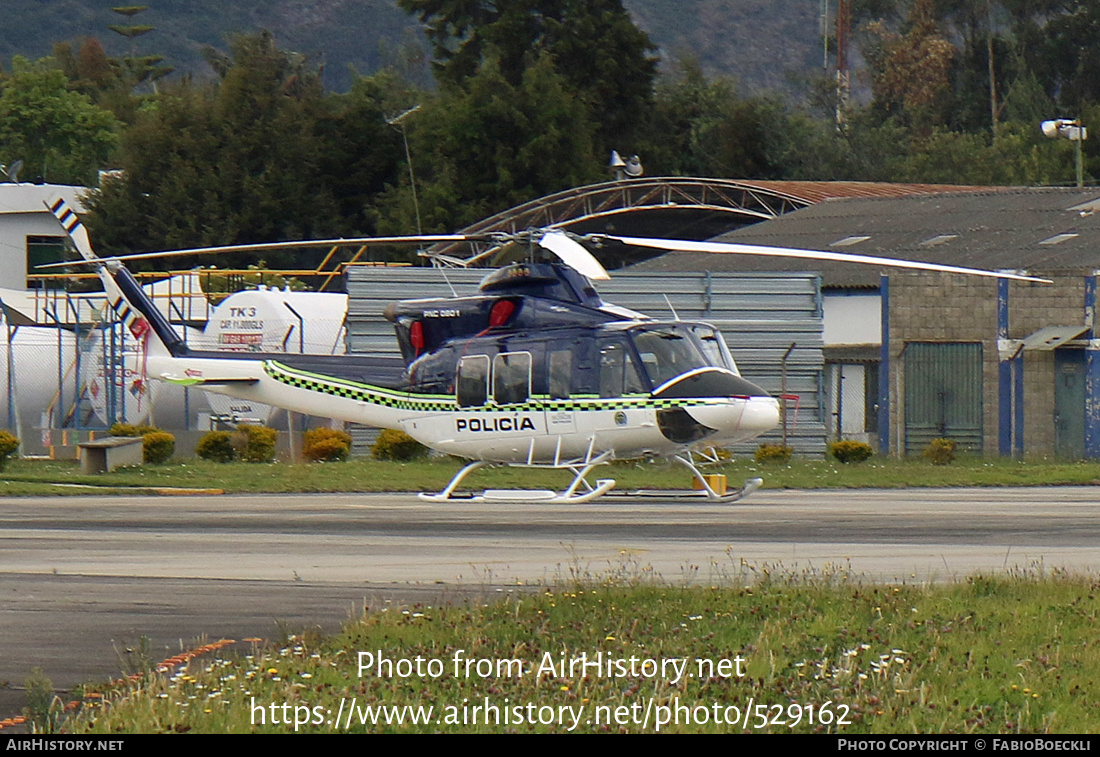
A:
(129, 301)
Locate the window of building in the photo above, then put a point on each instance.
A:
(44, 251)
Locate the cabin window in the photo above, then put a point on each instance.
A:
(561, 373)
(511, 377)
(473, 381)
(714, 347)
(618, 376)
(667, 353)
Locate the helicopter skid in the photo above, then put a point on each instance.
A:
(526, 495)
(673, 495)
(569, 496)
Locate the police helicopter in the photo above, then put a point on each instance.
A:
(535, 370)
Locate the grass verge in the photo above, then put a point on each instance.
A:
(819, 652)
(31, 477)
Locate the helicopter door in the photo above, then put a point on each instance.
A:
(511, 378)
(559, 374)
(472, 386)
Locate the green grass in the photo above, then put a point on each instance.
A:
(1010, 654)
(29, 477)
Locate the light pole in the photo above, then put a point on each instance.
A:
(398, 121)
(1074, 132)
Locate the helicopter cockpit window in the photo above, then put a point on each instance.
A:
(714, 346)
(473, 380)
(618, 376)
(511, 377)
(668, 352)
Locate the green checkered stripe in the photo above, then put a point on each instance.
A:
(619, 403)
(435, 403)
(431, 403)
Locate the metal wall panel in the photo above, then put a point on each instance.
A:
(943, 394)
(760, 314)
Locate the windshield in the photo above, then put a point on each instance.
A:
(714, 346)
(668, 351)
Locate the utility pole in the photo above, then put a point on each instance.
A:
(843, 81)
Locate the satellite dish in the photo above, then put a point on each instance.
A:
(633, 167)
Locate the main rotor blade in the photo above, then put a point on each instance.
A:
(573, 254)
(359, 241)
(790, 252)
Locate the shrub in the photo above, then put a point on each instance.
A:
(326, 445)
(128, 429)
(397, 445)
(329, 450)
(773, 453)
(216, 446)
(850, 452)
(157, 447)
(255, 444)
(8, 445)
(940, 451)
(123, 429)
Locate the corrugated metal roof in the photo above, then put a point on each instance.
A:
(994, 229)
(819, 191)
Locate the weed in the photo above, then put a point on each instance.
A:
(43, 708)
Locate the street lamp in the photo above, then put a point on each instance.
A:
(398, 120)
(1074, 132)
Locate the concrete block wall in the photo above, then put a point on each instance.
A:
(939, 307)
(934, 307)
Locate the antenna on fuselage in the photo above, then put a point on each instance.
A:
(443, 272)
(675, 315)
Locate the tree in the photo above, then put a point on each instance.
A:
(705, 128)
(105, 80)
(603, 57)
(486, 145)
(911, 72)
(259, 156)
(59, 134)
(140, 68)
(1016, 157)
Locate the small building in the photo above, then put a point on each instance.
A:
(1002, 368)
(29, 234)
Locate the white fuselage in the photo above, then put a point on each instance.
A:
(540, 430)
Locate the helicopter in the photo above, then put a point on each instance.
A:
(535, 370)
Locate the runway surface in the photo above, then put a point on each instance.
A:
(83, 579)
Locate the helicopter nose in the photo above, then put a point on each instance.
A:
(761, 415)
(739, 418)
(730, 409)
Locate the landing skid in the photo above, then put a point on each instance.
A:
(750, 485)
(587, 492)
(707, 492)
(688, 495)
